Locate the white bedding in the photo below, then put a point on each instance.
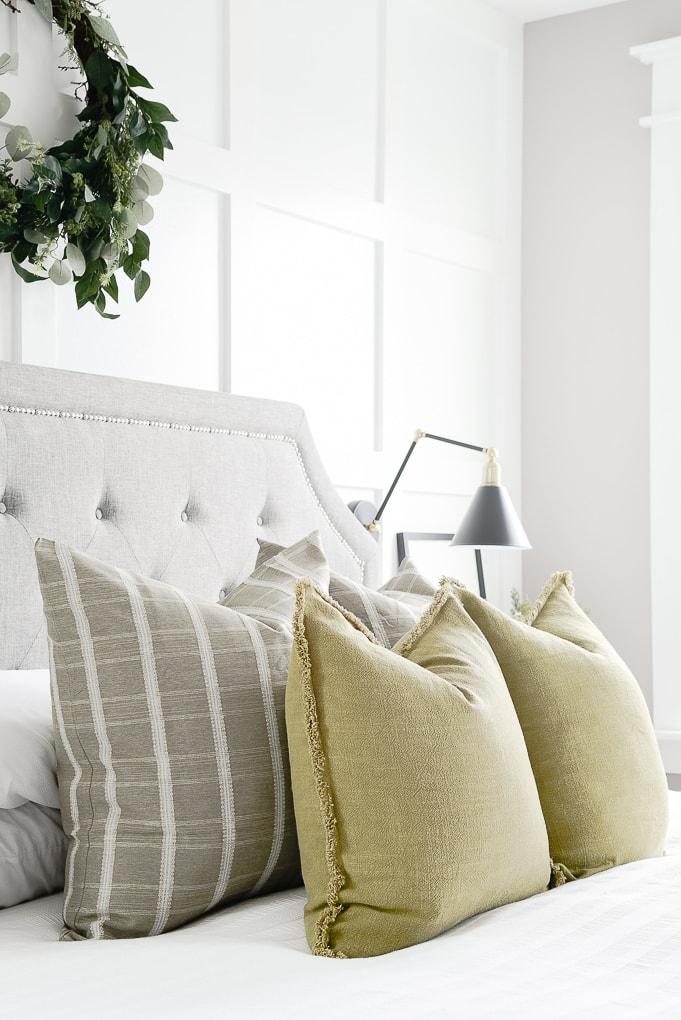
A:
(606, 946)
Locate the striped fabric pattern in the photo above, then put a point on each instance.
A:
(388, 612)
(392, 610)
(171, 744)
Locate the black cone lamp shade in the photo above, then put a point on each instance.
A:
(491, 520)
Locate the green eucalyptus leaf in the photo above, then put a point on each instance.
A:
(53, 167)
(82, 296)
(141, 141)
(140, 246)
(143, 213)
(162, 133)
(155, 145)
(88, 285)
(104, 30)
(131, 267)
(23, 250)
(8, 63)
(76, 259)
(18, 142)
(109, 252)
(60, 273)
(41, 200)
(95, 250)
(142, 281)
(25, 275)
(139, 190)
(151, 178)
(45, 8)
(102, 210)
(137, 125)
(111, 288)
(137, 80)
(99, 69)
(156, 112)
(53, 208)
(35, 236)
(5, 103)
(127, 223)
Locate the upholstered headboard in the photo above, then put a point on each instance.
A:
(173, 483)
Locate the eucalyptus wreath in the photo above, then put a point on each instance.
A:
(77, 216)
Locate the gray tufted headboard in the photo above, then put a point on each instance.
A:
(173, 483)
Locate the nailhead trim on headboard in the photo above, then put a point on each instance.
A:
(113, 420)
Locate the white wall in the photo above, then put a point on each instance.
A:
(339, 227)
(586, 353)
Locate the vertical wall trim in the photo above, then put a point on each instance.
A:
(224, 296)
(665, 366)
(379, 345)
(381, 102)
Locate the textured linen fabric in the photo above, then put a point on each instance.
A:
(388, 612)
(587, 728)
(32, 853)
(169, 727)
(415, 801)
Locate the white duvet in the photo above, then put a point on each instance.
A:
(606, 946)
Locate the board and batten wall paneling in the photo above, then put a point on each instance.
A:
(376, 240)
(339, 227)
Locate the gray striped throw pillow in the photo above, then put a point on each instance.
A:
(171, 743)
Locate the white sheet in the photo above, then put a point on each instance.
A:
(607, 946)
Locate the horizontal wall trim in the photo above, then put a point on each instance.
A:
(648, 53)
(658, 119)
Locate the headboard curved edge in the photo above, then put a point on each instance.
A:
(171, 482)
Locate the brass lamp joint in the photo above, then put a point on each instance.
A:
(491, 472)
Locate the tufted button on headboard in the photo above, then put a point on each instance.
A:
(173, 483)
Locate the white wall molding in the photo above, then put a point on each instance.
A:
(664, 122)
(339, 226)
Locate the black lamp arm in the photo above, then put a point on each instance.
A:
(418, 435)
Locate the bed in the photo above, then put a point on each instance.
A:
(203, 494)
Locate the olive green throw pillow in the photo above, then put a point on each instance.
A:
(587, 728)
(170, 739)
(415, 802)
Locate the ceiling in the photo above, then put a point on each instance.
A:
(534, 10)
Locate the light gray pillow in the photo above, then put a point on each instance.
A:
(32, 853)
(27, 762)
(170, 737)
